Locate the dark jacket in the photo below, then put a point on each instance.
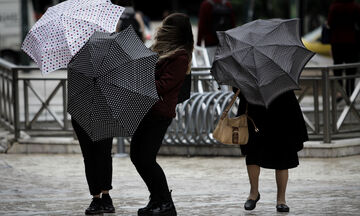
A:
(169, 77)
(342, 19)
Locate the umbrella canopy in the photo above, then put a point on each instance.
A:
(111, 84)
(263, 58)
(65, 28)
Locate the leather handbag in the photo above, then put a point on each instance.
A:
(233, 131)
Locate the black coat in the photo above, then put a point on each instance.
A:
(281, 126)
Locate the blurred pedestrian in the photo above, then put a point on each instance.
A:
(98, 170)
(214, 15)
(343, 20)
(174, 43)
(282, 132)
(130, 17)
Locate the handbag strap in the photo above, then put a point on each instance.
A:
(226, 111)
(230, 105)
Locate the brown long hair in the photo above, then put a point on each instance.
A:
(173, 35)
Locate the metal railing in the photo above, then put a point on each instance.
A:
(7, 95)
(37, 105)
(325, 118)
(29, 101)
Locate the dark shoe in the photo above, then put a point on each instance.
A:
(251, 204)
(145, 210)
(95, 207)
(107, 203)
(282, 208)
(159, 208)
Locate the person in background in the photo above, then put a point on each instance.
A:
(174, 44)
(130, 17)
(281, 134)
(214, 15)
(343, 20)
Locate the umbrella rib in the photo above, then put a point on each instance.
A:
(230, 55)
(84, 89)
(121, 87)
(79, 19)
(47, 35)
(122, 64)
(43, 20)
(255, 66)
(279, 67)
(264, 54)
(84, 7)
(62, 23)
(257, 86)
(111, 110)
(127, 131)
(282, 23)
(103, 59)
(284, 45)
(92, 57)
(239, 40)
(87, 19)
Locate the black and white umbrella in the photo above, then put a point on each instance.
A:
(263, 58)
(111, 84)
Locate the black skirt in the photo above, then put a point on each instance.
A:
(282, 132)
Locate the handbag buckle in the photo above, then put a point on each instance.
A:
(235, 135)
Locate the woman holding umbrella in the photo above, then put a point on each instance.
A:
(266, 65)
(174, 43)
(281, 135)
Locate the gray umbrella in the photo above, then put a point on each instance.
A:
(263, 58)
(111, 84)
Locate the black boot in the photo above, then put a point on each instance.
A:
(107, 203)
(95, 207)
(145, 210)
(165, 207)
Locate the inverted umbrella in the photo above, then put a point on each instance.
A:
(65, 28)
(263, 58)
(111, 84)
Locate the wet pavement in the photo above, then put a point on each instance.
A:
(209, 186)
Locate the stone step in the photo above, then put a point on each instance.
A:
(61, 145)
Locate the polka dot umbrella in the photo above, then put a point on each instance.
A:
(111, 84)
(65, 28)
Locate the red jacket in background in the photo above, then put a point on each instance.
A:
(204, 25)
(169, 77)
(341, 19)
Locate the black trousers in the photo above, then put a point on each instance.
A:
(144, 147)
(345, 53)
(97, 160)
